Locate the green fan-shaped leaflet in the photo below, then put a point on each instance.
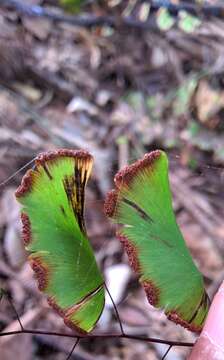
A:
(142, 206)
(52, 198)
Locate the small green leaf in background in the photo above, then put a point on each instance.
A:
(183, 96)
(72, 5)
(135, 100)
(188, 23)
(164, 20)
(52, 198)
(193, 128)
(141, 205)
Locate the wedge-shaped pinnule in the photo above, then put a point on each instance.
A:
(52, 196)
(141, 205)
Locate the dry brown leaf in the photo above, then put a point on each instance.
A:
(208, 101)
(40, 28)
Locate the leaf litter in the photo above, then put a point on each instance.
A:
(117, 94)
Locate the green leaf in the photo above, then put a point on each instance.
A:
(72, 5)
(142, 206)
(52, 196)
(164, 20)
(188, 23)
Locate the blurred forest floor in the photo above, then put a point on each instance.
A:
(118, 93)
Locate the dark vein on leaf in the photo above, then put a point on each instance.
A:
(63, 210)
(158, 238)
(47, 171)
(139, 210)
(202, 302)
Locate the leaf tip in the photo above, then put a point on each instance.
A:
(126, 175)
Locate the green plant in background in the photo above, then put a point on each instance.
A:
(142, 206)
(52, 198)
(165, 21)
(188, 23)
(183, 95)
(72, 5)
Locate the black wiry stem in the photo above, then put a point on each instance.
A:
(73, 348)
(15, 311)
(99, 336)
(7, 296)
(115, 309)
(169, 348)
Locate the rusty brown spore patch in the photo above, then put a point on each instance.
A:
(41, 271)
(53, 155)
(175, 317)
(68, 312)
(131, 252)
(110, 203)
(52, 302)
(41, 159)
(74, 326)
(26, 229)
(26, 184)
(126, 175)
(152, 292)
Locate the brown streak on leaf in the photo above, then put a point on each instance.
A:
(50, 177)
(202, 303)
(63, 210)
